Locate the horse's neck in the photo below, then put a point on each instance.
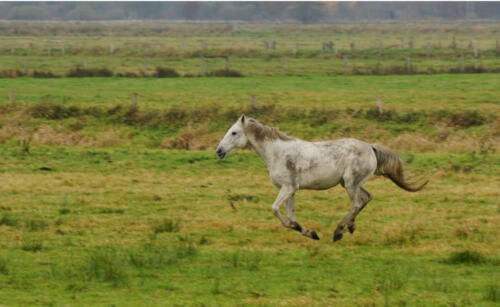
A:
(270, 150)
(264, 149)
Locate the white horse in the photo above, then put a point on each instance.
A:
(295, 164)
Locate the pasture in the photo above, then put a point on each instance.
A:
(106, 203)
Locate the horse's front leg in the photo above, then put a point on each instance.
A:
(285, 193)
(290, 212)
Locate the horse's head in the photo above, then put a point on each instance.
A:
(234, 139)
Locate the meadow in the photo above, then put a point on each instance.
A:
(103, 202)
(136, 50)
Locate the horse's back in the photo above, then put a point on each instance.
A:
(352, 155)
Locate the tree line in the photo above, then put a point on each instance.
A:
(304, 12)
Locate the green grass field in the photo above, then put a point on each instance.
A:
(370, 49)
(103, 203)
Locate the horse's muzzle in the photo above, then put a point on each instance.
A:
(221, 153)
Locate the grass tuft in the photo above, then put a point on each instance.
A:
(467, 257)
(492, 293)
(36, 224)
(4, 266)
(104, 264)
(167, 225)
(8, 220)
(64, 211)
(32, 245)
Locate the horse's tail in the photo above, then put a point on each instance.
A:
(390, 165)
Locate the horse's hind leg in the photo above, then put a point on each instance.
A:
(290, 212)
(359, 198)
(365, 198)
(355, 205)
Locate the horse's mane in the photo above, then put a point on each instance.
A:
(262, 132)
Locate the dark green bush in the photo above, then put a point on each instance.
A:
(226, 73)
(53, 111)
(78, 72)
(166, 72)
(44, 74)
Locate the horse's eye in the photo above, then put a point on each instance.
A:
(234, 133)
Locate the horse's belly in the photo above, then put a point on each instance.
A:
(319, 181)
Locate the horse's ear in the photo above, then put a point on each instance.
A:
(243, 119)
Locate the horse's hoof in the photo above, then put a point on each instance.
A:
(351, 228)
(337, 236)
(314, 235)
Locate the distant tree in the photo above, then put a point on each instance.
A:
(236, 12)
(28, 12)
(189, 9)
(144, 10)
(307, 12)
(82, 12)
(273, 9)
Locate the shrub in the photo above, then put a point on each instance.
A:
(129, 74)
(78, 72)
(53, 111)
(225, 73)
(467, 119)
(385, 115)
(44, 74)
(10, 73)
(165, 72)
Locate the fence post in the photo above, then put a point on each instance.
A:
(296, 46)
(254, 101)
(25, 65)
(352, 47)
(462, 63)
(111, 49)
(85, 63)
(411, 44)
(346, 65)
(283, 73)
(474, 47)
(202, 61)
(428, 49)
(497, 45)
(12, 97)
(453, 43)
(145, 66)
(379, 104)
(408, 65)
(49, 50)
(133, 101)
